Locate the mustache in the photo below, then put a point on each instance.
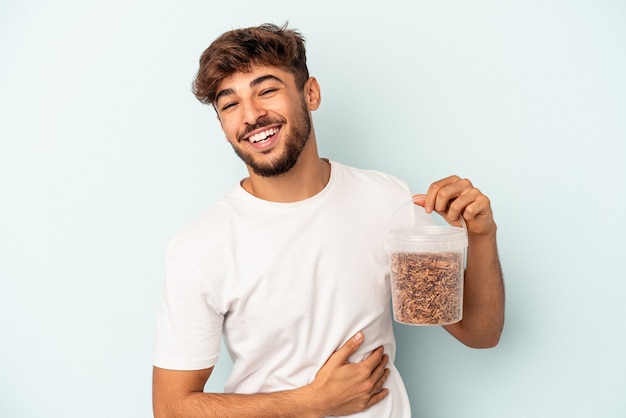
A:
(260, 123)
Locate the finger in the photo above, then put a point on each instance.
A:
(379, 370)
(457, 205)
(374, 359)
(479, 206)
(378, 385)
(379, 375)
(347, 349)
(433, 193)
(377, 397)
(447, 194)
(419, 199)
(467, 204)
(450, 193)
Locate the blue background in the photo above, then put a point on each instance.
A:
(105, 154)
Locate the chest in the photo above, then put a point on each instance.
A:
(291, 275)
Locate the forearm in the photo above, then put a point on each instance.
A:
(283, 404)
(483, 299)
(339, 388)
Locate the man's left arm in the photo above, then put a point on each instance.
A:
(483, 293)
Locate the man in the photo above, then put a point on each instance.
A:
(289, 267)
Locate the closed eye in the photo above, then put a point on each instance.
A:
(228, 105)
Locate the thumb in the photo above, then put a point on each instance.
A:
(419, 199)
(344, 352)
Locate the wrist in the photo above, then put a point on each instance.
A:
(488, 234)
(311, 402)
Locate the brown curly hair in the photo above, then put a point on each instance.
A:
(243, 49)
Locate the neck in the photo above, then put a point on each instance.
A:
(307, 178)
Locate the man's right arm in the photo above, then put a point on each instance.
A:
(339, 388)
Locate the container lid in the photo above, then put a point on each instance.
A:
(413, 230)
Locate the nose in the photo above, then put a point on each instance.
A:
(252, 111)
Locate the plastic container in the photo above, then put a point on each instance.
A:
(427, 263)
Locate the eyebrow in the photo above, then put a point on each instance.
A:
(253, 83)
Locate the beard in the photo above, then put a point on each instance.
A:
(294, 144)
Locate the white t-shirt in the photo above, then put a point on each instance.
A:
(285, 284)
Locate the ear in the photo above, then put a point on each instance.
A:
(312, 94)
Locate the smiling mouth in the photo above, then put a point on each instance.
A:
(263, 136)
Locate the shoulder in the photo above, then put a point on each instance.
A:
(210, 223)
(358, 177)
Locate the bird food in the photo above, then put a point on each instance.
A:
(427, 288)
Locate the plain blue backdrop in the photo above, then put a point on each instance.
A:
(105, 154)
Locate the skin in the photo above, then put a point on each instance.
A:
(483, 293)
(340, 388)
(246, 101)
(267, 98)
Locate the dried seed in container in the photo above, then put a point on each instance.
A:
(427, 288)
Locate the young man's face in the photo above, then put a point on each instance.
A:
(265, 118)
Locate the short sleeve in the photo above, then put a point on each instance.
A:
(189, 329)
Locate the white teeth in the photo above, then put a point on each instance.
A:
(263, 135)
